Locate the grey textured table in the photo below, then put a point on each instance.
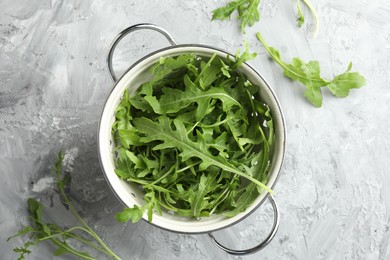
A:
(333, 191)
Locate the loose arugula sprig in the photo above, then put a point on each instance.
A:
(195, 137)
(248, 12)
(41, 231)
(309, 75)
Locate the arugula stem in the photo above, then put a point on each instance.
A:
(249, 150)
(164, 175)
(188, 166)
(234, 170)
(221, 198)
(156, 187)
(88, 243)
(282, 64)
(68, 233)
(64, 232)
(88, 228)
(274, 57)
(71, 250)
(313, 11)
(168, 206)
(93, 234)
(216, 123)
(75, 213)
(193, 127)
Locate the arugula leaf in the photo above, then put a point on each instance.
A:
(208, 73)
(197, 199)
(23, 231)
(23, 250)
(135, 214)
(249, 14)
(343, 83)
(309, 75)
(167, 66)
(225, 12)
(247, 10)
(244, 57)
(174, 100)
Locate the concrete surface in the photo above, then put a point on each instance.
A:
(333, 191)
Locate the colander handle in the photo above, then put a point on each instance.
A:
(131, 29)
(263, 244)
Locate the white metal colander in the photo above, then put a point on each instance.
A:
(130, 194)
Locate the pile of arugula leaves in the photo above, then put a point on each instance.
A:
(195, 137)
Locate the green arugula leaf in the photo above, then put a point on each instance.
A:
(225, 12)
(23, 250)
(197, 198)
(23, 231)
(169, 65)
(247, 10)
(209, 72)
(244, 57)
(135, 214)
(35, 209)
(309, 75)
(343, 83)
(225, 69)
(128, 136)
(249, 14)
(174, 100)
(152, 203)
(221, 143)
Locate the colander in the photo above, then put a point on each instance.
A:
(130, 194)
